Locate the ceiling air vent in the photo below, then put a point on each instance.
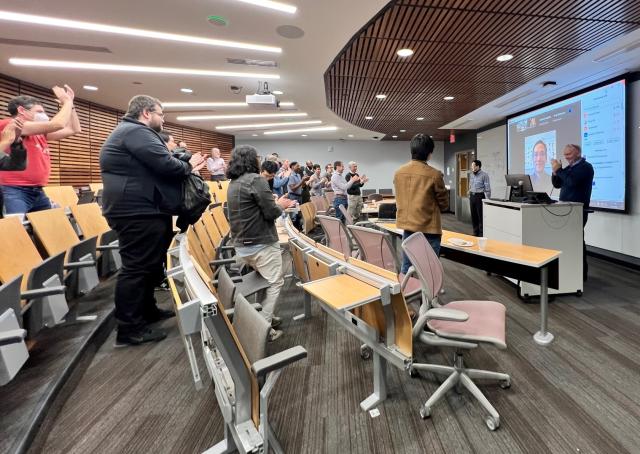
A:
(44, 44)
(250, 62)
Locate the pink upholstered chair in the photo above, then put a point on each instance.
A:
(376, 248)
(462, 325)
(336, 234)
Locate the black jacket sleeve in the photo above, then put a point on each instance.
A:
(16, 160)
(264, 199)
(147, 148)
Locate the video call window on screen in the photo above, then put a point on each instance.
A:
(594, 119)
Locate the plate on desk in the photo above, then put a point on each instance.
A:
(459, 242)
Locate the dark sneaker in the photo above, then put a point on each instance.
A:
(159, 315)
(275, 322)
(139, 337)
(274, 334)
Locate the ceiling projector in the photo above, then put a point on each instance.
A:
(266, 101)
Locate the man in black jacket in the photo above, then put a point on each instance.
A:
(252, 215)
(142, 190)
(575, 183)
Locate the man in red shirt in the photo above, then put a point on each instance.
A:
(22, 190)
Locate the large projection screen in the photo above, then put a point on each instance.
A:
(595, 119)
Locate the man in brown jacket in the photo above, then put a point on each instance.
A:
(420, 195)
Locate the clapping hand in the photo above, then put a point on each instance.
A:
(62, 95)
(12, 131)
(284, 202)
(197, 161)
(555, 165)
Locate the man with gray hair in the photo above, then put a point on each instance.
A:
(216, 165)
(142, 190)
(355, 196)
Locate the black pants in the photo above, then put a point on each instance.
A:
(475, 201)
(143, 246)
(585, 266)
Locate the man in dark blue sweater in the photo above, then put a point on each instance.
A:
(575, 183)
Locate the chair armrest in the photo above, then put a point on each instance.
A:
(42, 292)
(451, 315)
(274, 362)
(76, 265)
(410, 272)
(108, 247)
(12, 336)
(219, 262)
(231, 311)
(227, 248)
(364, 223)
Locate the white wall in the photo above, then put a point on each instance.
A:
(377, 159)
(611, 231)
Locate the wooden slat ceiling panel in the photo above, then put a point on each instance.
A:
(76, 160)
(456, 43)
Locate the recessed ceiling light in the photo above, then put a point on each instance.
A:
(368, 118)
(303, 135)
(277, 92)
(90, 87)
(287, 104)
(287, 131)
(405, 53)
(395, 137)
(254, 135)
(420, 118)
(448, 98)
(267, 125)
(102, 28)
(350, 135)
(241, 116)
(272, 5)
(129, 68)
(175, 105)
(505, 57)
(403, 130)
(381, 96)
(186, 90)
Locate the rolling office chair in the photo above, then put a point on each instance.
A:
(470, 323)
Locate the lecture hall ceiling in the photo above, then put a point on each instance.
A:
(455, 44)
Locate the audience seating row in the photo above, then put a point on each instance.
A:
(41, 272)
(234, 335)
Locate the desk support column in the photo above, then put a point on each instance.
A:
(543, 337)
(379, 383)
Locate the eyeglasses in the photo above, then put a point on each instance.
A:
(160, 114)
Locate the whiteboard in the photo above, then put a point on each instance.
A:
(492, 151)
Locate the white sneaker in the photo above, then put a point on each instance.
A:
(274, 334)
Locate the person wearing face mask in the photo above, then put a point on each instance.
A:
(22, 190)
(420, 196)
(142, 190)
(479, 188)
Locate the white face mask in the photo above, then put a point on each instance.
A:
(40, 116)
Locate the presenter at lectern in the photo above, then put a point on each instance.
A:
(479, 188)
(575, 182)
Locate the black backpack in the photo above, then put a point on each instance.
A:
(195, 200)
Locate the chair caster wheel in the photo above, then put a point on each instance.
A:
(579, 293)
(492, 423)
(425, 412)
(413, 373)
(506, 384)
(365, 352)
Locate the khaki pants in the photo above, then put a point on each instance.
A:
(268, 262)
(355, 207)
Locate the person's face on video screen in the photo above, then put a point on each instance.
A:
(539, 157)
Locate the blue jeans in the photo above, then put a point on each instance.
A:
(24, 199)
(339, 200)
(432, 238)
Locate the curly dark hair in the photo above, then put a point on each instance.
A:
(244, 159)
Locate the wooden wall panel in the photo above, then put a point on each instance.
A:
(75, 161)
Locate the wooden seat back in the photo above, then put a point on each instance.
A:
(53, 230)
(65, 196)
(220, 220)
(18, 254)
(89, 218)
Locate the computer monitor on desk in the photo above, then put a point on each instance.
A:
(519, 185)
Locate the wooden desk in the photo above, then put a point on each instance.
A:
(526, 263)
(372, 208)
(342, 292)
